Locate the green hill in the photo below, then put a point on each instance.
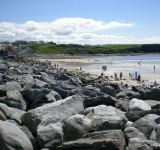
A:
(72, 49)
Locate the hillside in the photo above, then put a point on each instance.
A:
(89, 49)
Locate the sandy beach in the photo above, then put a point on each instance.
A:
(148, 79)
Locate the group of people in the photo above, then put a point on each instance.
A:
(116, 76)
(104, 68)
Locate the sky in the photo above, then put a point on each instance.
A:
(81, 21)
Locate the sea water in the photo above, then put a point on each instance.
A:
(142, 64)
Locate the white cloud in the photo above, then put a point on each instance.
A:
(68, 30)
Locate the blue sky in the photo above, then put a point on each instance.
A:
(81, 21)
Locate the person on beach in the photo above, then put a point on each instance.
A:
(154, 68)
(130, 76)
(136, 75)
(115, 76)
(139, 78)
(155, 84)
(120, 75)
(81, 68)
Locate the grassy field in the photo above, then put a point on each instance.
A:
(89, 49)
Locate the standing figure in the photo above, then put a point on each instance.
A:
(120, 75)
(136, 75)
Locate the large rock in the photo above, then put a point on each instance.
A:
(64, 88)
(141, 144)
(106, 118)
(109, 90)
(138, 105)
(25, 80)
(147, 124)
(48, 79)
(61, 109)
(154, 104)
(3, 90)
(98, 100)
(36, 94)
(109, 140)
(53, 96)
(135, 115)
(41, 84)
(10, 113)
(63, 77)
(155, 135)
(12, 138)
(132, 132)
(122, 104)
(49, 133)
(11, 86)
(86, 92)
(15, 99)
(153, 94)
(75, 126)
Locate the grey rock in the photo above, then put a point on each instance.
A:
(147, 124)
(121, 95)
(11, 137)
(110, 140)
(61, 109)
(106, 118)
(108, 90)
(98, 100)
(41, 84)
(49, 134)
(75, 126)
(53, 96)
(11, 86)
(10, 113)
(135, 115)
(132, 132)
(154, 104)
(35, 94)
(63, 77)
(141, 144)
(155, 135)
(153, 94)
(17, 70)
(122, 104)
(138, 105)
(15, 99)
(3, 90)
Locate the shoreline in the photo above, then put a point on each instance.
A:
(148, 79)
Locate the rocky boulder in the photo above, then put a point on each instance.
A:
(147, 124)
(75, 126)
(11, 137)
(138, 105)
(110, 140)
(15, 99)
(99, 100)
(153, 94)
(61, 109)
(106, 118)
(53, 96)
(11, 86)
(10, 113)
(154, 104)
(141, 144)
(155, 135)
(109, 90)
(132, 132)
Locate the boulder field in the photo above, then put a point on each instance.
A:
(47, 108)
